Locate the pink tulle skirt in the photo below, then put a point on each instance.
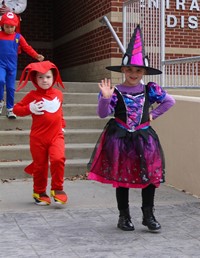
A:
(127, 159)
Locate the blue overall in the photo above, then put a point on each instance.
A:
(8, 68)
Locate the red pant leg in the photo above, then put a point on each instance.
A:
(57, 162)
(40, 165)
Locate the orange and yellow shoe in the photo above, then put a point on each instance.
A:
(41, 199)
(59, 196)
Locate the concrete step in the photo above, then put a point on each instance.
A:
(73, 122)
(83, 130)
(86, 87)
(72, 151)
(15, 169)
(75, 109)
(71, 136)
(69, 98)
(80, 109)
(91, 87)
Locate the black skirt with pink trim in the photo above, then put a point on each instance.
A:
(127, 159)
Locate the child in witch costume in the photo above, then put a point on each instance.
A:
(44, 104)
(10, 42)
(128, 153)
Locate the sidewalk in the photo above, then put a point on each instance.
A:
(86, 226)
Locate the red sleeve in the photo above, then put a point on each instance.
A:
(63, 121)
(22, 108)
(27, 48)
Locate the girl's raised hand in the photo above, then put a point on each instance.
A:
(106, 88)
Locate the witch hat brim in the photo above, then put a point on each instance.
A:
(135, 55)
(149, 70)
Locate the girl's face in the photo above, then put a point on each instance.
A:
(133, 75)
(9, 29)
(44, 80)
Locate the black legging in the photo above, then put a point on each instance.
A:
(122, 195)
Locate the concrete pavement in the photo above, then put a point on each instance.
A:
(86, 226)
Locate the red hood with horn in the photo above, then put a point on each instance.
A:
(42, 67)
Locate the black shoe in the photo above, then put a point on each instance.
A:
(149, 220)
(125, 222)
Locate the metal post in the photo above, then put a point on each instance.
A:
(162, 47)
(124, 25)
(124, 17)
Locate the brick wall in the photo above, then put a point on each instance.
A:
(37, 28)
(96, 44)
(48, 22)
(69, 33)
(74, 14)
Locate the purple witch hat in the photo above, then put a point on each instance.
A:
(135, 55)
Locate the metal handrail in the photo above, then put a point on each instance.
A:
(180, 72)
(193, 59)
(104, 20)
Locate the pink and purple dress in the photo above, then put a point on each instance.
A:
(128, 152)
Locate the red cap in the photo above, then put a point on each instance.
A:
(9, 19)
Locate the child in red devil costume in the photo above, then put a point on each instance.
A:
(44, 104)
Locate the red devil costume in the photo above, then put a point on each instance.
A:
(46, 136)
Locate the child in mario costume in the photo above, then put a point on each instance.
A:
(47, 144)
(10, 41)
